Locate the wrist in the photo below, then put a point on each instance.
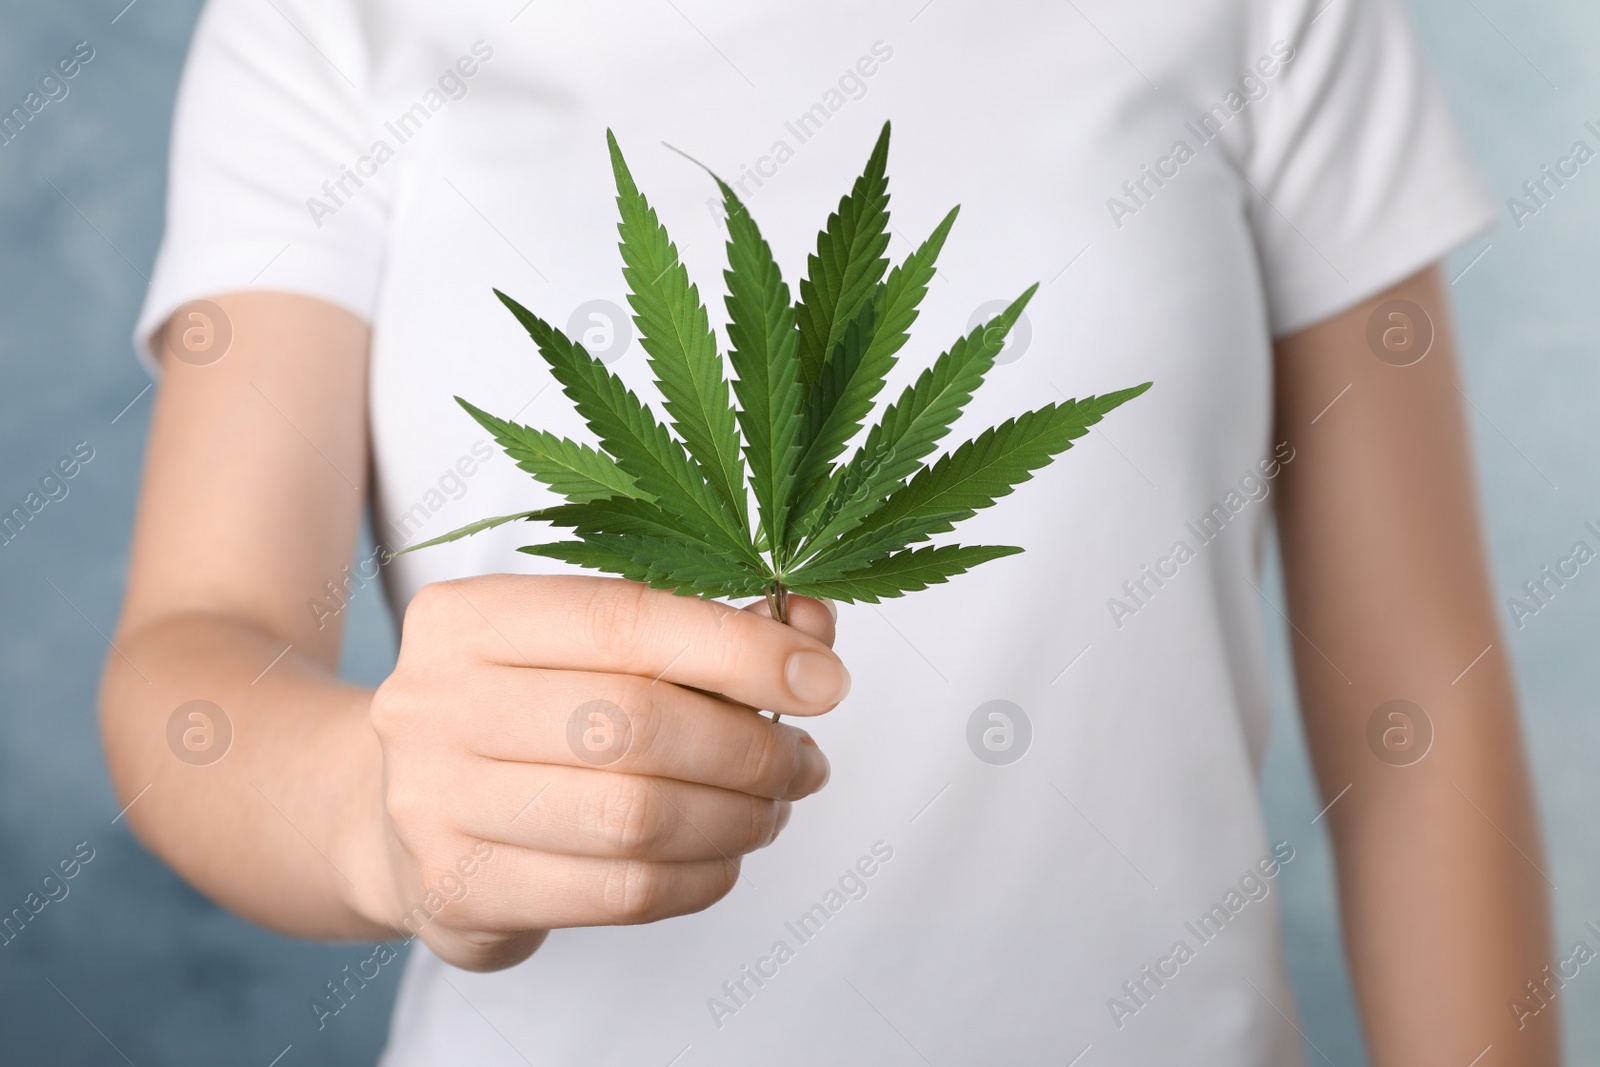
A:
(363, 850)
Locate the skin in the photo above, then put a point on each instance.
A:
(1439, 863)
(337, 809)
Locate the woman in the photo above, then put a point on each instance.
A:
(1243, 201)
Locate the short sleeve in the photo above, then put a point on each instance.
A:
(1359, 177)
(270, 184)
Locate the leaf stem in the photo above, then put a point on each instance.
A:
(778, 601)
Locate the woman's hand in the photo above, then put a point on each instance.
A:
(572, 751)
(548, 751)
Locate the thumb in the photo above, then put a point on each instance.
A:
(812, 617)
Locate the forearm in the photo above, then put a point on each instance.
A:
(1441, 878)
(280, 829)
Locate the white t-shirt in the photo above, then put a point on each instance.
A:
(1186, 180)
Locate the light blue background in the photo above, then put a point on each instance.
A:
(166, 978)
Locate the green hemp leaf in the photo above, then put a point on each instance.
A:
(671, 504)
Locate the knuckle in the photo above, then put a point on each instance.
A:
(396, 710)
(431, 622)
(389, 711)
(649, 718)
(404, 804)
(770, 764)
(385, 712)
(628, 817)
(613, 615)
(720, 614)
(634, 891)
(724, 876)
(734, 637)
(745, 650)
(428, 603)
(761, 817)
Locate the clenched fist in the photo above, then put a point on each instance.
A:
(588, 751)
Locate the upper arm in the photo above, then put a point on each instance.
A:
(1378, 520)
(256, 472)
(257, 464)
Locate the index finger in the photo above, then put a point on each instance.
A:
(573, 622)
